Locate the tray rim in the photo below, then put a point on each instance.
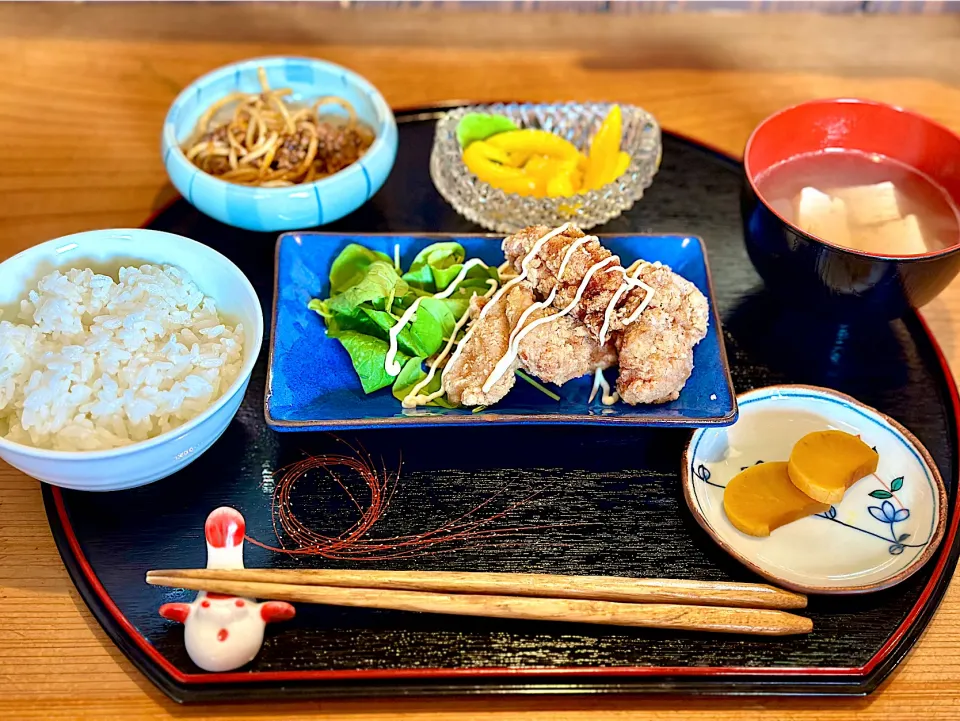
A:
(745, 681)
(543, 419)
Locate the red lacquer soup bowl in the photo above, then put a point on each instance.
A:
(815, 272)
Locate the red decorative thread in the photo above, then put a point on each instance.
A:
(353, 544)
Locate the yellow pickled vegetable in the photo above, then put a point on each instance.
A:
(544, 167)
(490, 164)
(487, 152)
(560, 186)
(530, 162)
(518, 158)
(761, 498)
(824, 464)
(534, 141)
(604, 150)
(623, 162)
(577, 179)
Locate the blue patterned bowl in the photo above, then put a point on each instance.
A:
(298, 206)
(886, 527)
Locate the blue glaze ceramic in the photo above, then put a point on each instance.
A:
(812, 271)
(299, 206)
(312, 386)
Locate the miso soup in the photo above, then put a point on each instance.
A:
(866, 202)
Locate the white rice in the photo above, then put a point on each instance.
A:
(98, 364)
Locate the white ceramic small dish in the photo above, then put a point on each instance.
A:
(105, 251)
(885, 528)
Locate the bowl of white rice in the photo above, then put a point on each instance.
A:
(124, 355)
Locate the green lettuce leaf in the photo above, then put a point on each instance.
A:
(425, 334)
(350, 266)
(442, 314)
(421, 279)
(368, 295)
(435, 266)
(439, 255)
(377, 283)
(406, 341)
(352, 320)
(368, 355)
(442, 277)
(459, 301)
(355, 321)
(411, 375)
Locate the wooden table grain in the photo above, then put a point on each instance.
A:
(83, 93)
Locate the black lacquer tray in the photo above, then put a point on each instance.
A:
(623, 484)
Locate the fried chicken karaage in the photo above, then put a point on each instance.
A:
(656, 351)
(478, 353)
(555, 352)
(559, 350)
(645, 318)
(543, 270)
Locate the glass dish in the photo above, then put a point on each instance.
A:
(503, 212)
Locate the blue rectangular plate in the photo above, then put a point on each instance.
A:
(311, 384)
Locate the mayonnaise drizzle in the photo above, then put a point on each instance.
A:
(499, 294)
(599, 382)
(528, 312)
(390, 364)
(629, 283)
(505, 270)
(646, 301)
(511, 353)
(520, 331)
(573, 246)
(571, 249)
(413, 398)
(518, 328)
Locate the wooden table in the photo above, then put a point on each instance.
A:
(82, 96)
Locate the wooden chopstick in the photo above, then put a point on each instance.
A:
(596, 588)
(649, 615)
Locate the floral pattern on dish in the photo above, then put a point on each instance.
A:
(886, 512)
